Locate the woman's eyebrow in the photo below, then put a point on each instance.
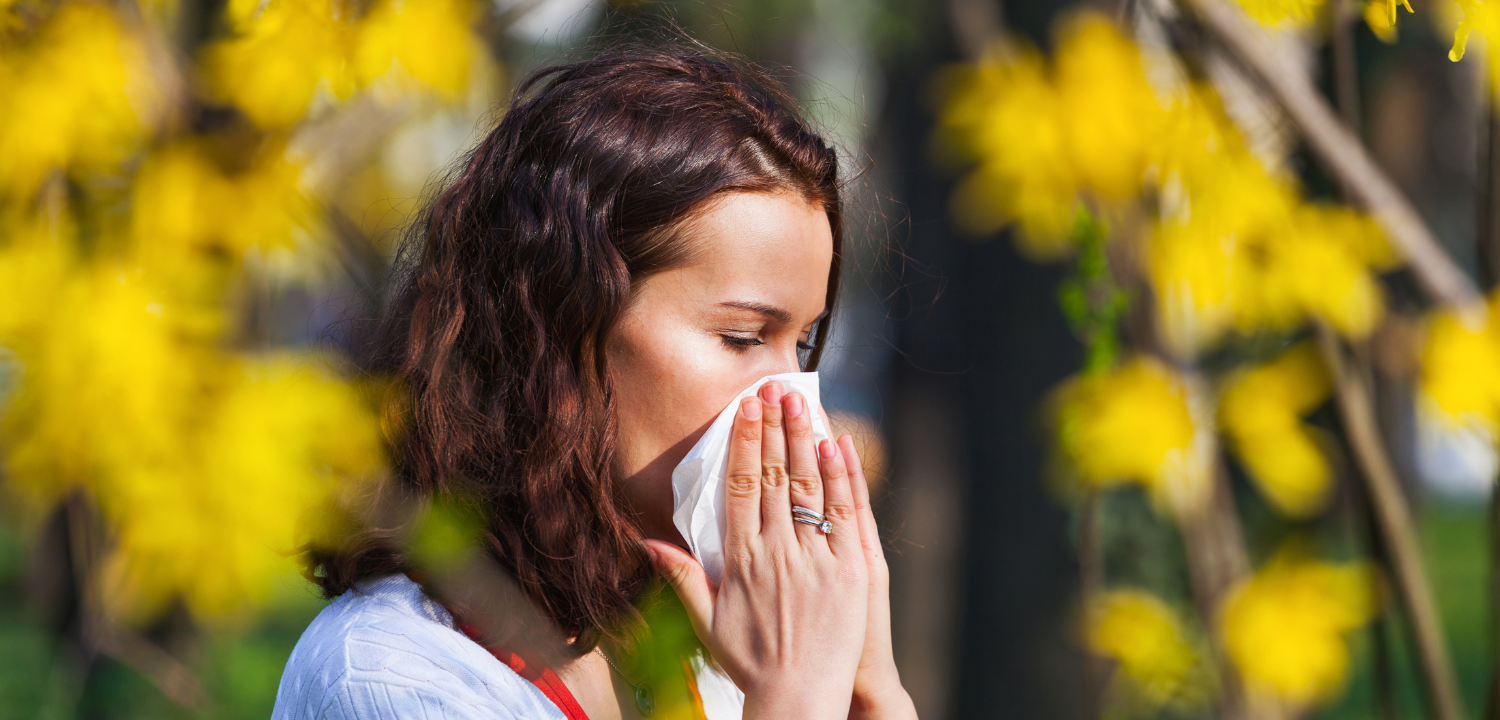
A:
(770, 311)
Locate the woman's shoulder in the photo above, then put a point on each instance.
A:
(386, 650)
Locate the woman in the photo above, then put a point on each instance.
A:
(644, 234)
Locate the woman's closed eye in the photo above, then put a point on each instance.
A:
(741, 343)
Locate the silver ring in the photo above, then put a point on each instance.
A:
(813, 518)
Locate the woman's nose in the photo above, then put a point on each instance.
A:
(783, 363)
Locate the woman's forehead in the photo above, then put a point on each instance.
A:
(771, 249)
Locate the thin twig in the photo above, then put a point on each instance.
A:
(1342, 154)
(1400, 536)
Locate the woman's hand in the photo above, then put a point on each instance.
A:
(788, 622)
(878, 693)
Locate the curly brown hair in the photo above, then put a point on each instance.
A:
(509, 282)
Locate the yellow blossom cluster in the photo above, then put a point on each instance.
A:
(1460, 375)
(1380, 15)
(125, 244)
(77, 92)
(287, 55)
(201, 461)
(1260, 411)
(1159, 665)
(1233, 246)
(1284, 628)
(1134, 424)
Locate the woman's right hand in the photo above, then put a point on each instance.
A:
(788, 620)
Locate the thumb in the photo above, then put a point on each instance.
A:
(685, 574)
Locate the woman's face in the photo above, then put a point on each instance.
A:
(696, 335)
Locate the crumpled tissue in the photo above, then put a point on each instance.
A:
(698, 481)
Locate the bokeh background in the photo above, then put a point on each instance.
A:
(1114, 305)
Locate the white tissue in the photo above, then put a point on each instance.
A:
(698, 481)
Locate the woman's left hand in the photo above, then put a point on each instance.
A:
(877, 685)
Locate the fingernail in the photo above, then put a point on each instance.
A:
(793, 405)
(826, 449)
(750, 408)
(771, 392)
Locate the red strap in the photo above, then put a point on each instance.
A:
(540, 675)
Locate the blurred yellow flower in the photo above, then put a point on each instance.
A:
(1280, 12)
(1043, 136)
(221, 529)
(1242, 253)
(1134, 424)
(1261, 412)
(1110, 114)
(1484, 17)
(1146, 638)
(1032, 182)
(1381, 20)
(79, 93)
(1460, 375)
(1284, 627)
(190, 216)
(282, 58)
(430, 40)
(1234, 248)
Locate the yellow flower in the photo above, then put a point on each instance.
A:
(430, 40)
(1380, 17)
(205, 466)
(1032, 182)
(1279, 12)
(1144, 635)
(77, 95)
(1110, 113)
(281, 59)
(1284, 627)
(1485, 18)
(1460, 373)
(185, 204)
(1261, 412)
(1134, 424)
(221, 528)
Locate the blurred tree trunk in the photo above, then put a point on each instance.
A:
(980, 343)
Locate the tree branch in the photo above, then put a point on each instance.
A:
(1394, 519)
(1342, 153)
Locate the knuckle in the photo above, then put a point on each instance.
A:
(806, 484)
(774, 476)
(742, 483)
(840, 511)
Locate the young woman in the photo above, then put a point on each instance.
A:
(643, 235)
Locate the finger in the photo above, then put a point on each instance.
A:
(838, 504)
(804, 474)
(684, 573)
(775, 510)
(869, 533)
(742, 479)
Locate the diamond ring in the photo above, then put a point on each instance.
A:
(813, 518)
